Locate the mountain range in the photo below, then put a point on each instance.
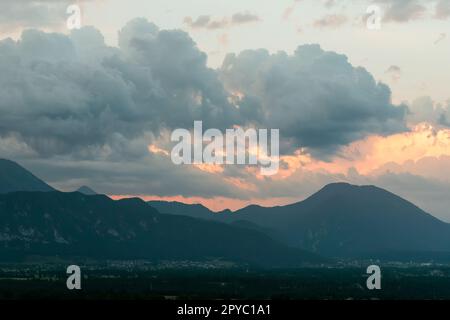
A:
(338, 221)
(54, 223)
(341, 220)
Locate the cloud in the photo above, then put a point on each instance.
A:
(289, 10)
(331, 21)
(207, 22)
(158, 79)
(372, 154)
(18, 15)
(143, 176)
(395, 72)
(429, 193)
(430, 167)
(402, 10)
(79, 112)
(223, 40)
(329, 3)
(70, 94)
(442, 9)
(444, 118)
(241, 18)
(15, 14)
(424, 109)
(316, 98)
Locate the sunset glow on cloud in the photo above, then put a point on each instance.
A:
(346, 108)
(372, 153)
(423, 151)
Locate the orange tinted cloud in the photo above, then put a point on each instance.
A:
(157, 150)
(368, 155)
(425, 150)
(423, 141)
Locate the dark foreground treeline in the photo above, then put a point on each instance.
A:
(308, 283)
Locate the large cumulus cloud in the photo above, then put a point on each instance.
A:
(64, 94)
(316, 98)
(68, 94)
(71, 102)
(76, 111)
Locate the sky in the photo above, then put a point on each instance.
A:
(95, 106)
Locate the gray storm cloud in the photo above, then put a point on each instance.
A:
(316, 98)
(66, 94)
(91, 110)
(62, 94)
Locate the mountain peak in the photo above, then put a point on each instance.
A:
(344, 188)
(14, 177)
(349, 220)
(86, 191)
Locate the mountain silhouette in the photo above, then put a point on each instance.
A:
(343, 220)
(73, 224)
(199, 211)
(86, 191)
(13, 178)
(340, 220)
(36, 220)
(347, 220)
(192, 210)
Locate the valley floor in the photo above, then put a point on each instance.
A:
(219, 280)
